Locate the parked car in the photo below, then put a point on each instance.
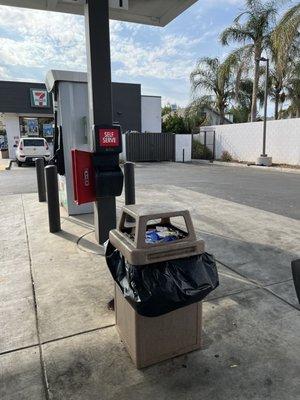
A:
(29, 149)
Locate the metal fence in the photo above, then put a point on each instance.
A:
(208, 139)
(150, 146)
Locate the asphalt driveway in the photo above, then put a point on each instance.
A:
(273, 191)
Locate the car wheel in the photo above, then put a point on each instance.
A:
(19, 164)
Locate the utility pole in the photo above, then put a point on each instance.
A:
(264, 160)
(265, 106)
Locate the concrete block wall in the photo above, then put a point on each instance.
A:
(244, 141)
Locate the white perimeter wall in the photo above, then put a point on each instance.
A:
(151, 114)
(183, 142)
(244, 141)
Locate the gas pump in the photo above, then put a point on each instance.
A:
(98, 175)
(77, 146)
(70, 99)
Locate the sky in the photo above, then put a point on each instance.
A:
(160, 59)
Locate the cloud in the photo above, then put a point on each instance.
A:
(32, 42)
(43, 40)
(171, 58)
(37, 39)
(4, 73)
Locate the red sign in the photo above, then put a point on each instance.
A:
(40, 97)
(83, 177)
(109, 137)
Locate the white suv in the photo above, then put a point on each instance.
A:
(29, 149)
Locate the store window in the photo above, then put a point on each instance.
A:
(3, 135)
(36, 126)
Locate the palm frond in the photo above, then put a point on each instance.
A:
(234, 33)
(285, 34)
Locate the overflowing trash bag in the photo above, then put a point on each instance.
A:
(159, 288)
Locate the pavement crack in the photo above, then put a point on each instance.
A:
(100, 328)
(260, 286)
(42, 361)
(3, 353)
(78, 334)
(257, 284)
(278, 283)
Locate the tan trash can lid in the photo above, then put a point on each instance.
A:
(130, 240)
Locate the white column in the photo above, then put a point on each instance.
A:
(12, 127)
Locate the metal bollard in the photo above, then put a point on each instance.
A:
(129, 186)
(129, 183)
(183, 155)
(40, 176)
(53, 198)
(296, 277)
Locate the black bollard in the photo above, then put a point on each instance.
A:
(296, 277)
(40, 176)
(53, 198)
(129, 183)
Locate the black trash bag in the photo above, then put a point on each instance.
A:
(159, 288)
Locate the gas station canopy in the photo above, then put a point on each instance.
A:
(150, 12)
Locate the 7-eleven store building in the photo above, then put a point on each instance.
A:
(25, 111)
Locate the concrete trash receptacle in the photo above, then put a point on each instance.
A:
(153, 339)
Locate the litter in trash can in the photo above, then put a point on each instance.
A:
(163, 234)
(162, 287)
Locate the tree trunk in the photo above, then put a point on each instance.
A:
(222, 115)
(257, 55)
(280, 109)
(298, 112)
(277, 96)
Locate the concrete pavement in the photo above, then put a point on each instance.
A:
(58, 339)
(4, 162)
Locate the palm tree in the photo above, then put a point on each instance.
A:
(214, 77)
(195, 113)
(284, 49)
(252, 27)
(286, 35)
(276, 93)
(293, 92)
(243, 99)
(280, 79)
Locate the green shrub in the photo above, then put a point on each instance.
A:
(201, 151)
(226, 156)
(174, 124)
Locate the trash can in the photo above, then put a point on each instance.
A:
(4, 153)
(161, 275)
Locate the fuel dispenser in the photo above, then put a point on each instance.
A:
(70, 99)
(88, 167)
(97, 175)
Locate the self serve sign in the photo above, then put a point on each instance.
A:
(109, 137)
